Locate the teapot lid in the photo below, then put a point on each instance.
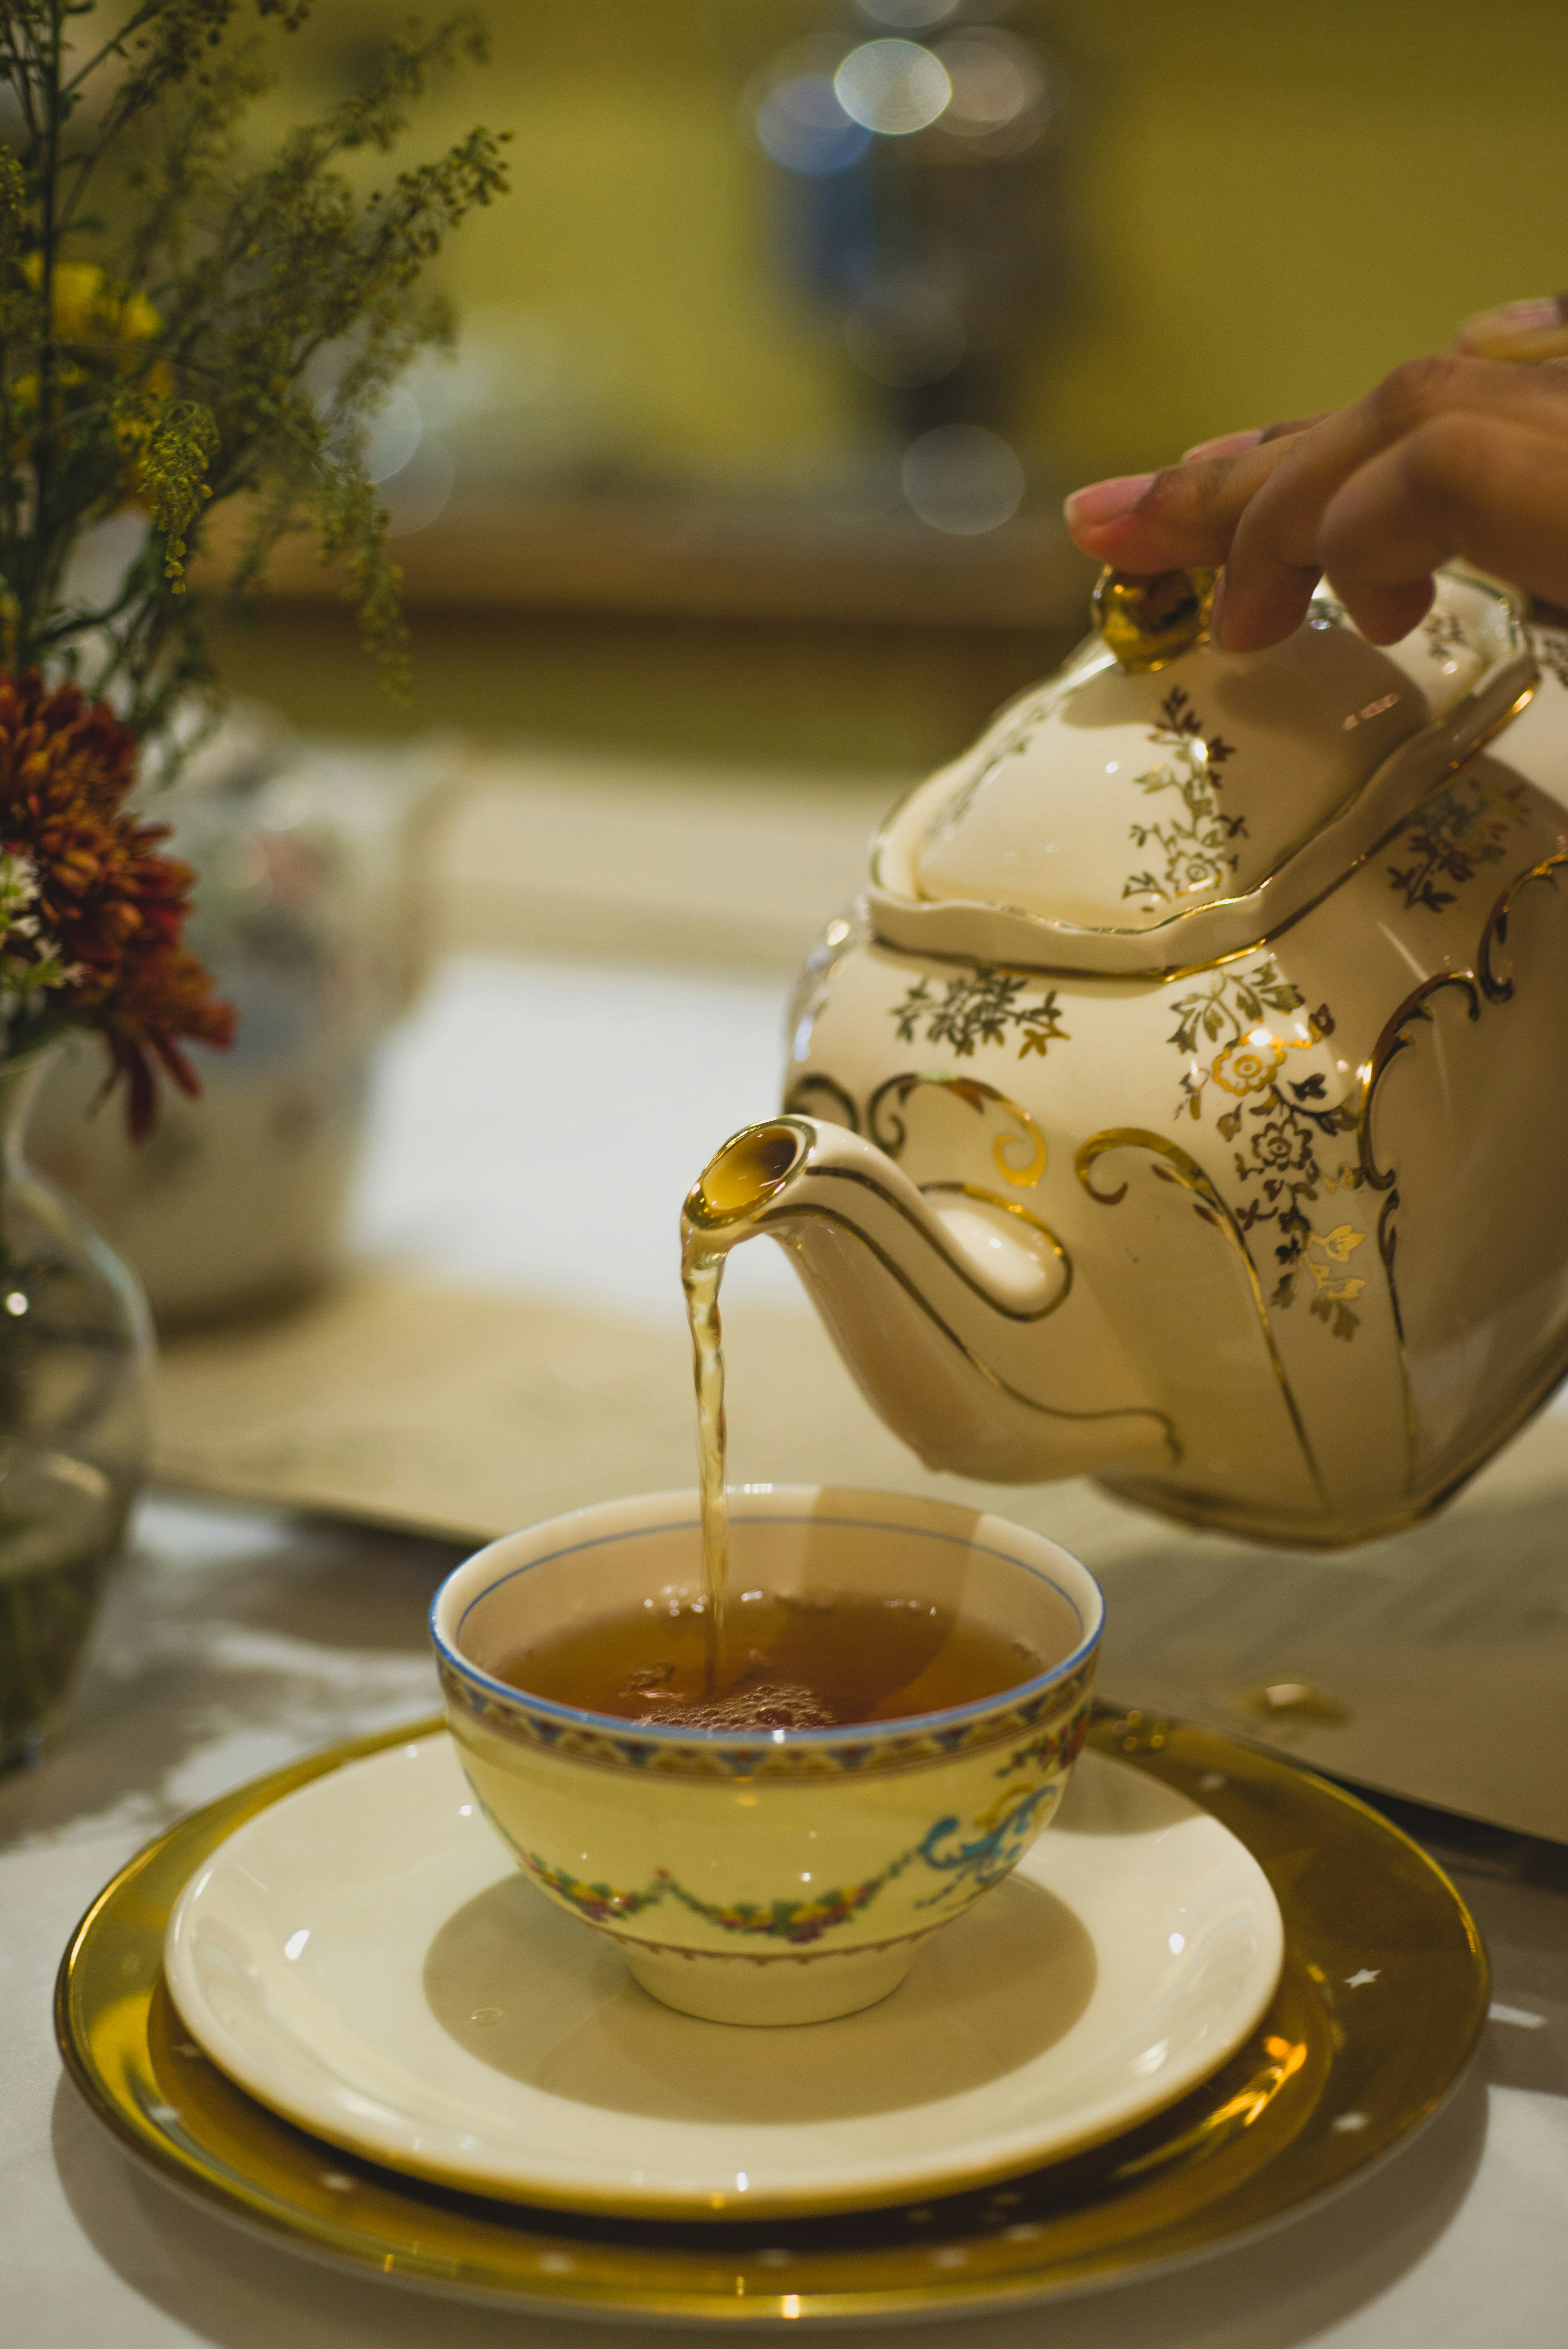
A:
(1160, 804)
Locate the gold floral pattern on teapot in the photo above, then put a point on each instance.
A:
(1230, 1173)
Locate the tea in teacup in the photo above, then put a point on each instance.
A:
(791, 1659)
(754, 1870)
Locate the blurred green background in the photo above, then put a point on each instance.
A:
(665, 510)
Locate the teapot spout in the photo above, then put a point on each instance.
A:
(957, 1314)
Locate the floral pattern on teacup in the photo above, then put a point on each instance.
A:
(891, 1745)
(991, 1846)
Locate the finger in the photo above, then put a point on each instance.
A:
(1225, 444)
(1159, 521)
(1276, 560)
(1190, 513)
(1518, 330)
(1230, 444)
(1295, 424)
(1473, 486)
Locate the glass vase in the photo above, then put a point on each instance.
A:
(75, 1352)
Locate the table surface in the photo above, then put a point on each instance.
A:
(238, 1638)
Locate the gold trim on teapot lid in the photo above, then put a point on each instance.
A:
(1115, 820)
(1147, 618)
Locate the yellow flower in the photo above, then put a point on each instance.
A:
(1325, 1251)
(106, 322)
(86, 307)
(1248, 1065)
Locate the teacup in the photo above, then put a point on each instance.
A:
(775, 1876)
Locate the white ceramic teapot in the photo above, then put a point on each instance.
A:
(1187, 1100)
(311, 911)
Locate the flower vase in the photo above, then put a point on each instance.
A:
(76, 1353)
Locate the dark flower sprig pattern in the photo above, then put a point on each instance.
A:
(1279, 1126)
(1195, 846)
(980, 1007)
(1552, 651)
(1444, 634)
(1452, 835)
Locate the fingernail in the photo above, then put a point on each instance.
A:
(1217, 609)
(1512, 324)
(1522, 317)
(1225, 444)
(1104, 501)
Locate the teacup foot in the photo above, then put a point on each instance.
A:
(770, 1990)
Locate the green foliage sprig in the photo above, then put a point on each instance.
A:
(182, 324)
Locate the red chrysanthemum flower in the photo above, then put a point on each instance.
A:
(106, 909)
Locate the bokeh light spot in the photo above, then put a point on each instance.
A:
(393, 435)
(1003, 102)
(894, 88)
(908, 15)
(802, 126)
(989, 87)
(963, 479)
(418, 493)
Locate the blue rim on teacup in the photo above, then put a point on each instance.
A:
(780, 1752)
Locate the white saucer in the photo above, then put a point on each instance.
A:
(365, 1958)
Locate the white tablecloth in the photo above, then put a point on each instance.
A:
(237, 1638)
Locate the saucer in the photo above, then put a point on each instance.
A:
(365, 1958)
(1379, 2008)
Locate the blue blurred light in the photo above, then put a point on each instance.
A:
(803, 127)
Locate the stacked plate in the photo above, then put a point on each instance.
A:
(330, 2006)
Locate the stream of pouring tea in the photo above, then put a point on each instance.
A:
(702, 1269)
(798, 1658)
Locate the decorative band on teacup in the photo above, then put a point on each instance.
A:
(1046, 1725)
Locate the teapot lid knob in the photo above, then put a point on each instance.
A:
(1147, 618)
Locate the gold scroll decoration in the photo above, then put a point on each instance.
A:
(890, 1131)
(1173, 1165)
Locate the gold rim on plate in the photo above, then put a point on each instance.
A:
(1379, 2007)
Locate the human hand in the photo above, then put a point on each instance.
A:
(1518, 330)
(1459, 456)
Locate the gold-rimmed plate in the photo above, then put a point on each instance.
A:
(366, 1957)
(1381, 2001)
